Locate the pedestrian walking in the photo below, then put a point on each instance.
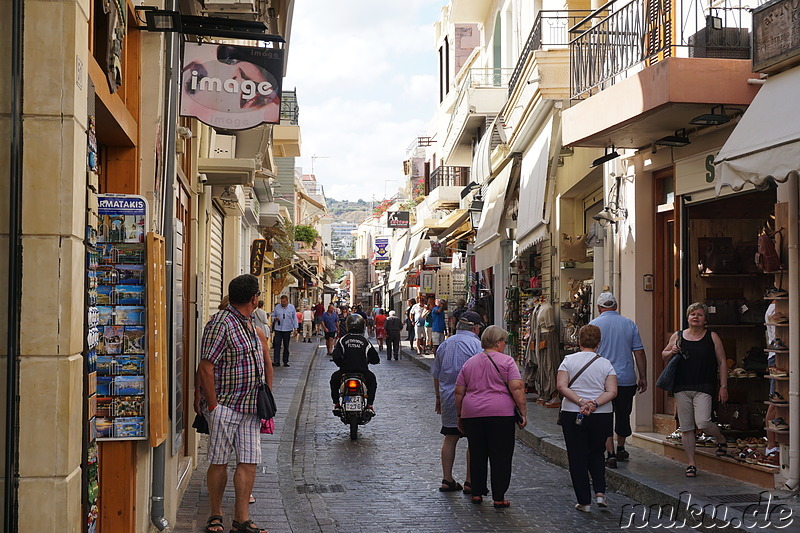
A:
(588, 383)
(344, 312)
(393, 325)
(261, 320)
(380, 330)
(298, 332)
(284, 322)
(231, 367)
(308, 324)
(410, 322)
(461, 306)
(330, 323)
(622, 346)
(319, 309)
(487, 390)
(702, 359)
(438, 314)
(450, 358)
(428, 321)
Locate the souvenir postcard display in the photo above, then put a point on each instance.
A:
(117, 316)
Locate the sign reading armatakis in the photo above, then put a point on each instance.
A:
(231, 87)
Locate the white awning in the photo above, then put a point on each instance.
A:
(399, 250)
(481, 161)
(487, 241)
(533, 217)
(766, 142)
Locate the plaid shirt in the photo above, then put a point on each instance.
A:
(231, 343)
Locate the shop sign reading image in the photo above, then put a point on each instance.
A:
(231, 87)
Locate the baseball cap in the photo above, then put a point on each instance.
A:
(391, 313)
(606, 300)
(471, 317)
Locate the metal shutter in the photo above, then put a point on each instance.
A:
(215, 291)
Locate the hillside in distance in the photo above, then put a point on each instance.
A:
(355, 212)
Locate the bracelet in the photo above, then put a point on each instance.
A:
(723, 386)
(596, 405)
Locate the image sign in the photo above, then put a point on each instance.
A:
(231, 87)
(398, 219)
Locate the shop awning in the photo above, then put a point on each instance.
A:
(533, 217)
(487, 241)
(481, 161)
(399, 251)
(766, 142)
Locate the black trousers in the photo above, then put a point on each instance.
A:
(490, 438)
(392, 344)
(586, 446)
(623, 406)
(281, 337)
(369, 379)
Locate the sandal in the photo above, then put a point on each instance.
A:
(214, 524)
(476, 499)
(252, 500)
(691, 471)
(467, 487)
(450, 486)
(246, 527)
(502, 504)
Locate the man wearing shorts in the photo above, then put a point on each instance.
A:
(231, 367)
(621, 344)
(438, 323)
(450, 357)
(330, 323)
(418, 313)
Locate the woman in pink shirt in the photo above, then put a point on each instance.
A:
(487, 389)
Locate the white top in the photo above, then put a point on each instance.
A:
(308, 316)
(590, 384)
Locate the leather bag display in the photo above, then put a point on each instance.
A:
(767, 257)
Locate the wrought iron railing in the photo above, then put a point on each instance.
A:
(550, 29)
(448, 176)
(290, 111)
(613, 40)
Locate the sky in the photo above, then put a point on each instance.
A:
(365, 74)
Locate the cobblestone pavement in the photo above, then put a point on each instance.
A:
(388, 479)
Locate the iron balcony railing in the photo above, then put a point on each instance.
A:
(290, 111)
(550, 29)
(448, 176)
(618, 38)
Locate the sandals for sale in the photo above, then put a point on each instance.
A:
(246, 527)
(214, 524)
(722, 449)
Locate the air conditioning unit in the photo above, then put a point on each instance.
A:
(222, 146)
(725, 43)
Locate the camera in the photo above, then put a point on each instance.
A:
(202, 178)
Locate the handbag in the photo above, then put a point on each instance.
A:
(265, 402)
(517, 414)
(587, 365)
(666, 380)
(200, 423)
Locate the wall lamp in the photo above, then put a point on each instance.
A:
(613, 154)
(679, 139)
(613, 212)
(715, 118)
(165, 21)
(475, 211)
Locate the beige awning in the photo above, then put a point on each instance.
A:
(766, 142)
(487, 241)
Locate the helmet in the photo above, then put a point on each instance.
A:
(355, 323)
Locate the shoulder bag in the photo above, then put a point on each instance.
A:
(666, 380)
(265, 402)
(576, 376)
(517, 415)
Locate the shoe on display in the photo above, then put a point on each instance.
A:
(776, 398)
(777, 318)
(777, 344)
(772, 461)
(775, 292)
(778, 424)
(775, 372)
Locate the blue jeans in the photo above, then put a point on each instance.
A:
(284, 337)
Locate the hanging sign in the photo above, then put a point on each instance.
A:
(257, 251)
(382, 250)
(398, 219)
(427, 280)
(231, 87)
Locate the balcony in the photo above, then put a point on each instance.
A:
(550, 32)
(269, 214)
(286, 135)
(447, 177)
(643, 70)
(252, 207)
(481, 95)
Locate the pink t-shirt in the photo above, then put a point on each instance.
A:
(486, 393)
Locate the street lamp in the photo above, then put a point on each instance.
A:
(475, 211)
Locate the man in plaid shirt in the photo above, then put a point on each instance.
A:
(231, 367)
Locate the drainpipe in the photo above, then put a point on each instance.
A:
(11, 482)
(167, 230)
(794, 337)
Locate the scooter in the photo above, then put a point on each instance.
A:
(353, 399)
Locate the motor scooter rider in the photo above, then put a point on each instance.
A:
(352, 354)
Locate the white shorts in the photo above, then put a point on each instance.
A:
(428, 335)
(420, 331)
(232, 430)
(438, 338)
(694, 410)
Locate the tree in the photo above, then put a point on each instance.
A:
(306, 234)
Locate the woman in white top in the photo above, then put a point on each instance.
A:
(587, 416)
(308, 324)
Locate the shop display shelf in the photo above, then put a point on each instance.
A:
(767, 350)
(784, 378)
(778, 298)
(735, 275)
(767, 402)
(778, 325)
(735, 325)
(777, 272)
(778, 431)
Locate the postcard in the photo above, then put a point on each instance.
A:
(112, 340)
(130, 365)
(91, 361)
(92, 430)
(126, 427)
(121, 228)
(128, 385)
(130, 274)
(106, 295)
(105, 406)
(128, 406)
(129, 315)
(104, 385)
(106, 365)
(129, 295)
(92, 383)
(106, 313)
(128, 254)
(134, 339)
(105, 428)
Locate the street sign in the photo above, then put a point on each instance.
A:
(257, 250)
(398, 219)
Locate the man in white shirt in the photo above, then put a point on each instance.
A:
(284, 322)
(308, 323)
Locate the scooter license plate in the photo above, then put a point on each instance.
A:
(353, 404)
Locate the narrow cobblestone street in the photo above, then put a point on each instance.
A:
(387, 480)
